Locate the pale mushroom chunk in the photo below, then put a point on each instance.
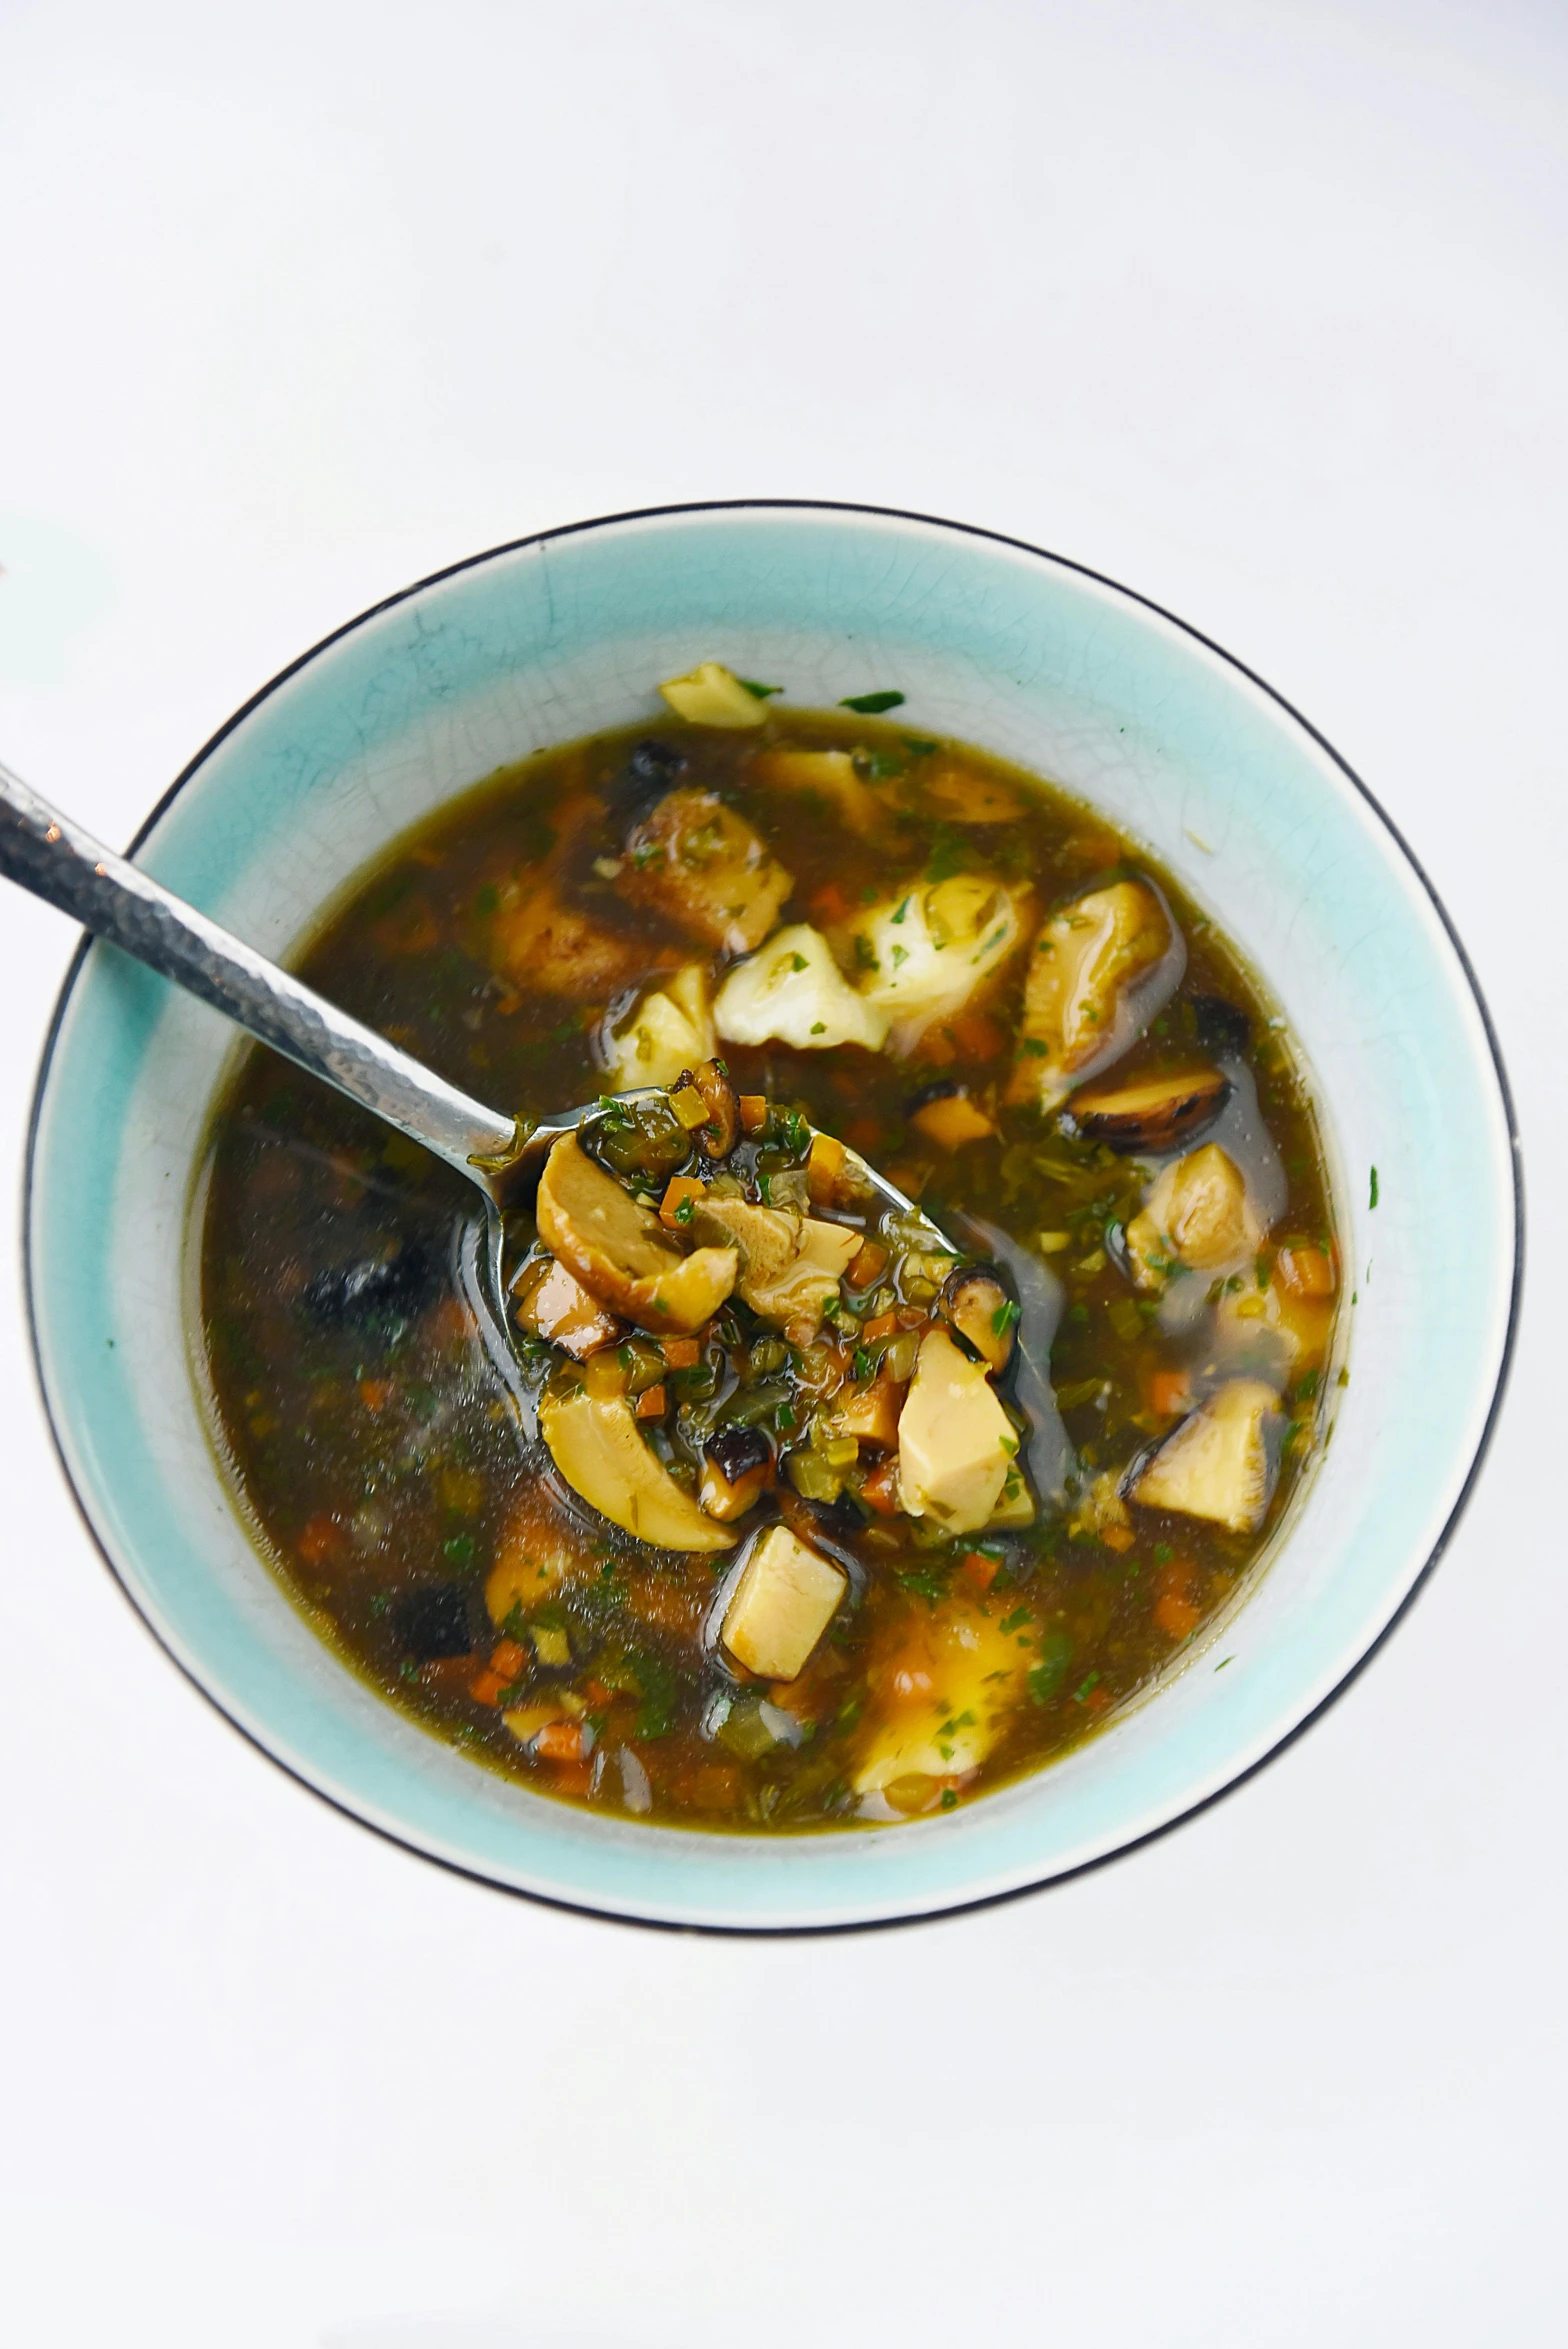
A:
(597, 1446)
(789, 1264)
(956, 1445)
(706, 870)
(783, 1602)
(619, 1250)
(934, 949)
(536, 1554)
(794, 990)
(549, 947)
(1088, 961)
(670, 1030)
(1198, 1217)
(944, 1693)
(830, 777)
(711, 695)
(554, 1305)
(1222, 1461)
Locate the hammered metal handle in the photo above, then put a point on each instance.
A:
(46, 853)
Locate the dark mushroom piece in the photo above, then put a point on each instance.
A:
(723, 1107)
(737, 1469)
(1152, 1113)
(435, 1620)
(1221, 1027)
(981, 1313)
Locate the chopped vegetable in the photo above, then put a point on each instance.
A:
(790, 1265)
(554, 1304)
(712, 695)
(595, 1445)
(1152, 1113)
(1100, 967)
(794, 990)
(619, 1251)
(978, 1309)
(1221, 1462)
(704, 868)
(949, 1118)
(955, 1442)
(1198, 1217)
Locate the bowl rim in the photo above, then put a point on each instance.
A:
(960, 1906)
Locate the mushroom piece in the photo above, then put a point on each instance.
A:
(971, 797)
(831, 777)
(619, 1251)
(1222, 1461)
(1101, 967)
(933, 949)
(1198, 1215)
(722, 1103)
(783, 1602)
(550, 947)
(944, 1694)
(946, 1115)
(979, 1310)
(1151, 1113)
(711, 695)
(795, 991)
(537, 1553)
(595, 1443)
(704, 868)
(957, 1447)
(553, 1303)
(665, 1034)
(737, 1470)
(789, 1264)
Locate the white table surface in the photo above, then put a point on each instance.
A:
(1257, 307)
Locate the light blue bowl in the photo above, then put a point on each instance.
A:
(993, 642)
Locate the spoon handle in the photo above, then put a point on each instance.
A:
(46, 853)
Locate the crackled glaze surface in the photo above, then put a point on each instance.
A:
(1029, 658)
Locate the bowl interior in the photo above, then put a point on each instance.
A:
(990, 642)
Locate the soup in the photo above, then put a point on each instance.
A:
(790, 1507)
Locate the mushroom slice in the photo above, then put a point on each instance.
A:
(935, 948)
(619, 1251)
(1101, 967)
(944, 1694)
(1151, 1113)
(975, 1305)
(704, 868)
(1222, 1461)
(553, 1303)
(830, 777)
(595, 1443)
(549, 947)
(785, 1599)
(722, 1103)
(665, 1034)
(737, 1469)
(712, 695)
(789, 1264)
(1198, 1215)
(794, 990)
(956, 1445)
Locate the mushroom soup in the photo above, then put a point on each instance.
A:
(794, 1509)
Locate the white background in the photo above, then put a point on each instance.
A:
(1259, 308)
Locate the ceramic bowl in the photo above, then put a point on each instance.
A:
(993, 642)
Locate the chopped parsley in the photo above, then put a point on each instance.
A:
(870, 705)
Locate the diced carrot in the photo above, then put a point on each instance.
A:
(1307, 1272)
(680, 1353)
(1117, 1537)
(597, 1694)
(880, 1490)
(375, 1392)
(679, 1189)
(881, 1325)
(979, 1570)
(320, 1538)
(575, 1778)
(559, 1741)
(868, 1264)
(1169, 1392)
(952, 1120)
(936, 1047)
(753, 1112)
(823, 1169)
(829, 903)
(1097, 1700)
(977, 1035)
(486, 1687)
(650, 1403)
(864, 1134)
(449, 1322)
(1177, 1618)
(508, 1658)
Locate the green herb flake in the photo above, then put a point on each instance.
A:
(917, 744)
(1372, 1199)
(761, 692)
(870, 705)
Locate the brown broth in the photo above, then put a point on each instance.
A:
(380, 1463)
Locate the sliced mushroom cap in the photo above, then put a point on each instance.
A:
(1100, 967)
(737, 1470)
(789, 1264)
(619, 1251)
(974, 1304)
(595, 1443)
(1221, 1463)
(1151, 1113)
(552, 1302)
(707, 870)
(1198, 1215)
(711, 1079)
